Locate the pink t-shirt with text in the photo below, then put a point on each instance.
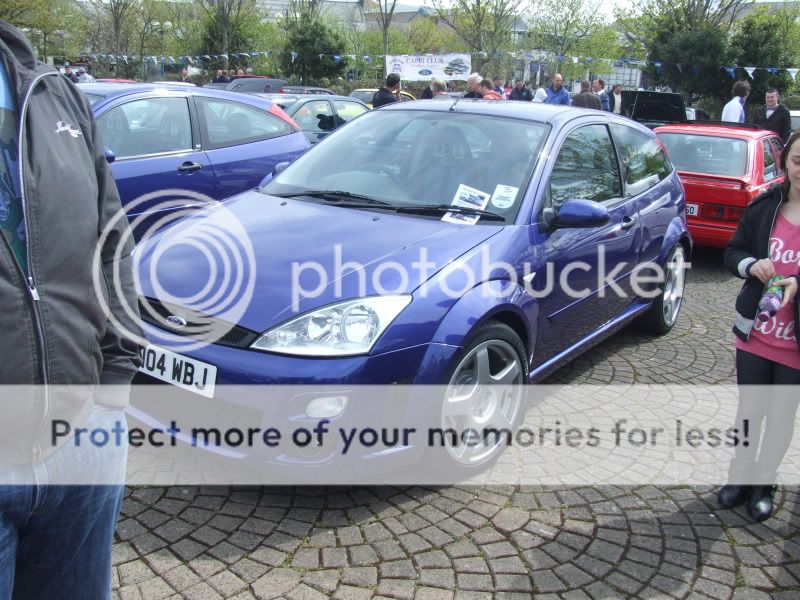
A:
(775, 339)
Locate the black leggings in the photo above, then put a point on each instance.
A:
(775, 411)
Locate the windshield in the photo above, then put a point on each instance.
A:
(365, 97)
(422, 158)
(708, 154)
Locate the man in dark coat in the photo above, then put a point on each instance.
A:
(586, 99)
(774, 116)
(388, 93)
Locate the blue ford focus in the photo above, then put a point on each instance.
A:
(436, 242)
(210, 142)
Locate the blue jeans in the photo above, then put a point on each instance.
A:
(55, 540)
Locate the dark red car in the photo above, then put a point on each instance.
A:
(722, 167)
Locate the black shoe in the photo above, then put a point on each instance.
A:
(760, 505)
(733, 495)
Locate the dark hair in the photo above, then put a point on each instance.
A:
(615, 86)
(487, 84)
(586, 85)
(601, 82)
(784, 156)
(392, 79)
(741, 89)
(773, 90)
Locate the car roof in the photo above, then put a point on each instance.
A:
(721, 129)
(540, 112)
(116, 90)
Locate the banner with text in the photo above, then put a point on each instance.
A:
(412, 67)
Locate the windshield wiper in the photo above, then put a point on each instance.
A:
(336, 196)
(441, 209)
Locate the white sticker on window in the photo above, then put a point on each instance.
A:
(504, 196)
(467, 197)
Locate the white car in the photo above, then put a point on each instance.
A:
(795, 114)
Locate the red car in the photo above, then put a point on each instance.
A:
(722, 168)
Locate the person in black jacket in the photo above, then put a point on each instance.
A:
(389, 93)
(62, 232)
(586, 99)
(774, 116)
(766, 244)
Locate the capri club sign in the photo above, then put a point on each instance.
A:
(422, 67)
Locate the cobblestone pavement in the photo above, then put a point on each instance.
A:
(464, 543)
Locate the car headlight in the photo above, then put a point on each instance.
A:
(343, 329)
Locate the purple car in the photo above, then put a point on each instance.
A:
(211, 142)
(450, 242)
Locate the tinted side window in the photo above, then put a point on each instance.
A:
(770, 167)
(644, 163)
(586, 168)
(229, 123)
(149, 126)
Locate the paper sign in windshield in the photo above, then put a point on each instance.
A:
(467, 197)
(504, 196)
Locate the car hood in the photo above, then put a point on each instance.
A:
(257, 260)
(654, 107)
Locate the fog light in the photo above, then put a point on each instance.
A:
(326, 407)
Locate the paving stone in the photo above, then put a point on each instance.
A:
(134, 572)
(360, 576)
(268, 556)
(403, 569)
(334, 558)
(181, 578)
(513, 583)
(227, 584)
(155, 589)
(201, 591)
(468, 581)
(424, 593)
(440, 578)
(509, 564)
(401, 589)
(744, 593)
(304, 592)
(276, 583)
(323, 580)
(248, 570)
(346, 592)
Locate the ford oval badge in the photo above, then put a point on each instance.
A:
(176, 321)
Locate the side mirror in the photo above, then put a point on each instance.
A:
(576, 214)
(275, 171)
(110, 156)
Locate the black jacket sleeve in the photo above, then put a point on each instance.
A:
(120, 348)
(785, 128)
(738, 256)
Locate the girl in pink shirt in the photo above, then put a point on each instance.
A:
(766, 244)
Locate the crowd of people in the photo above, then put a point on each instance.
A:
(593, 94)
(773, 115)
(226, 75)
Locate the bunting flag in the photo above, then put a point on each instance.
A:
(338, 59)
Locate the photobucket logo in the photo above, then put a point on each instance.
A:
(574, 279)
(215, 249)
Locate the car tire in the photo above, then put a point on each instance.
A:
(663, 313)
(493, 354)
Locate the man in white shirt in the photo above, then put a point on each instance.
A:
(734, 110)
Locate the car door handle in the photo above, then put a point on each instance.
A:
(628, 222)
(189, 167)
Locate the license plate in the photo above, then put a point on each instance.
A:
(187, 373)
(692, 210)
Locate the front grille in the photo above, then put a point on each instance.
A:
(197, 325)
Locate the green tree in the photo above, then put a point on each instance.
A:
(767, 40)
(225, 22)
(427, 36)
(309, 38)
(483, 25)
(565, 28)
